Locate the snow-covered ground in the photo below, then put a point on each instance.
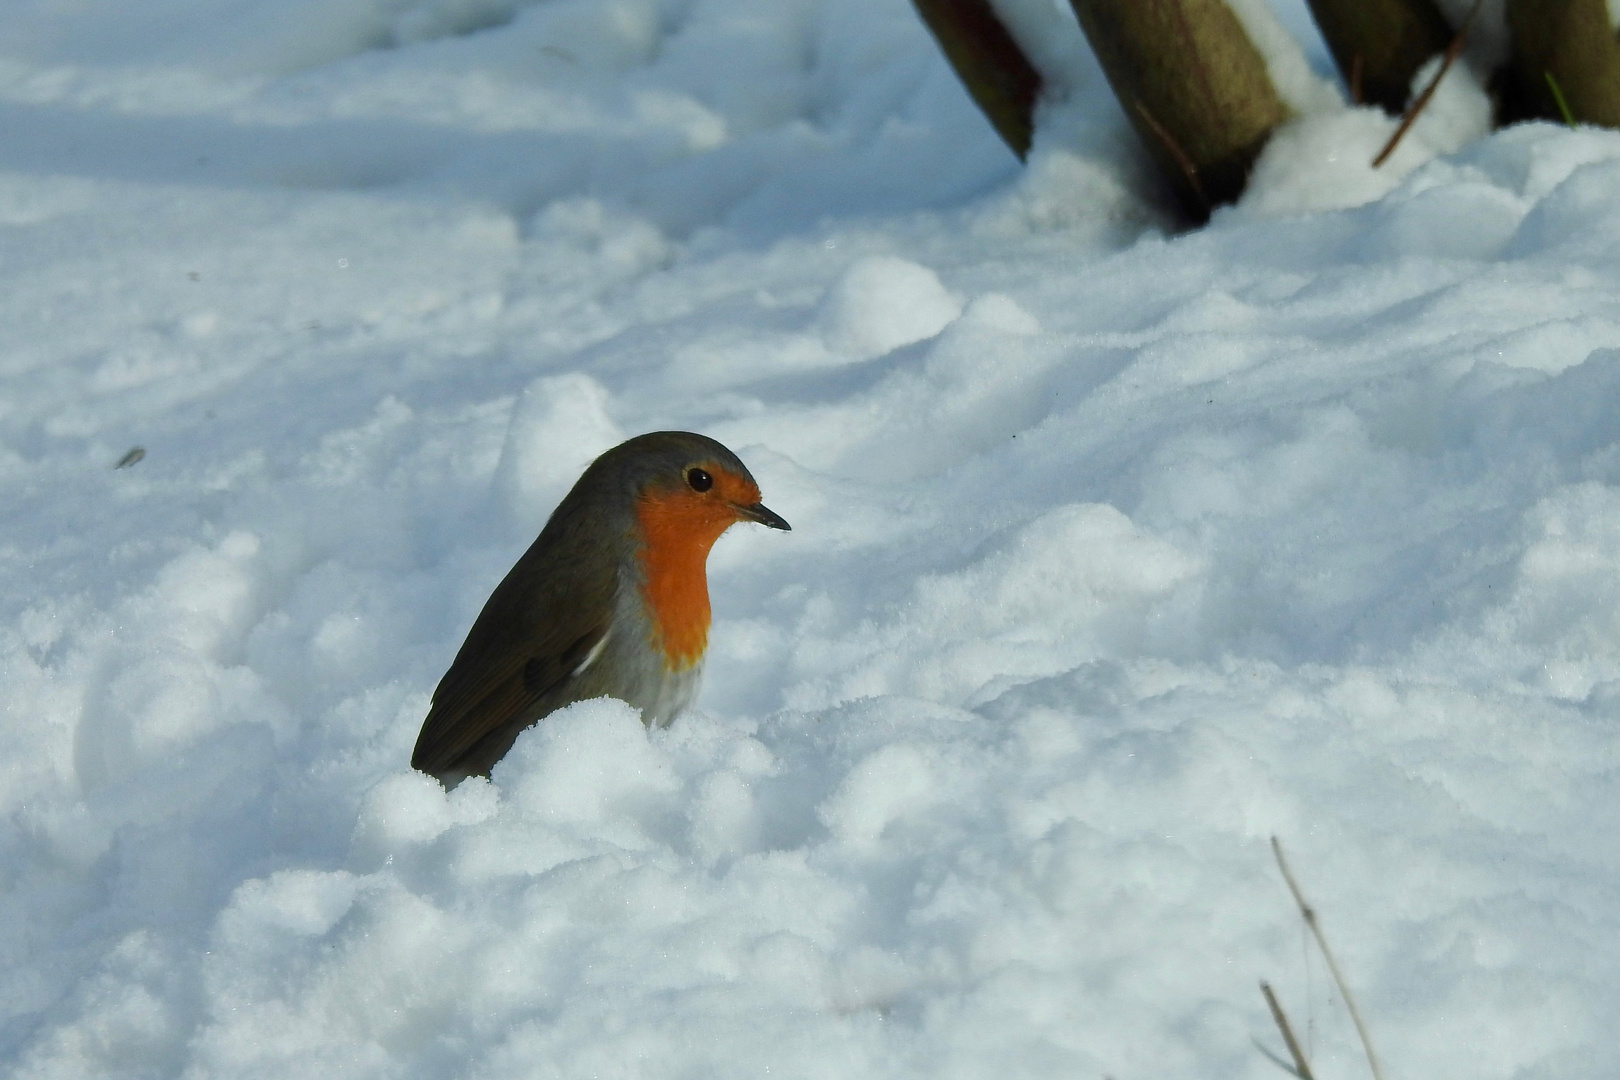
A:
(1115, 553)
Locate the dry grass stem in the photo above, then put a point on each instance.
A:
(1308, 913)
(1302, 1068)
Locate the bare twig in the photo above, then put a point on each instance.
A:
(1308, 913)
(1357, 66)
(1453, 51)
(1183, 161)
(1302, 1068)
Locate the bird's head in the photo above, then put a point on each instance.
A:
(686, 489)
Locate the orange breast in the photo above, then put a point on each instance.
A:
(678, 528)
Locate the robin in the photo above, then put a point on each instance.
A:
(611, 600)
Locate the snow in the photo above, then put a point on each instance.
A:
(1115, 553)
(881, 303)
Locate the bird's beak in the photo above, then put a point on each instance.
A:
(765, 516)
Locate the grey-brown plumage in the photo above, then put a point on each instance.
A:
(571, 620)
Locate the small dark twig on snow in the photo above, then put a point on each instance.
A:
(1453, 51)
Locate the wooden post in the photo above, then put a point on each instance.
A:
(1380, 44)
(1571, 43)
(1193, 85)
(990, 64)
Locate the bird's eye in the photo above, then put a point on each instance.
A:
(699, 479)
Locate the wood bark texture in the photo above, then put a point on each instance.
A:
(1379, 45)
(1573, 42)
(1194, 87)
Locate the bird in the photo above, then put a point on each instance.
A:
(611, 600)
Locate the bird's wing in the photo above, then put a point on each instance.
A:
(521, 651)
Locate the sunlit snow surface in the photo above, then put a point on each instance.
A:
(1114, 554)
